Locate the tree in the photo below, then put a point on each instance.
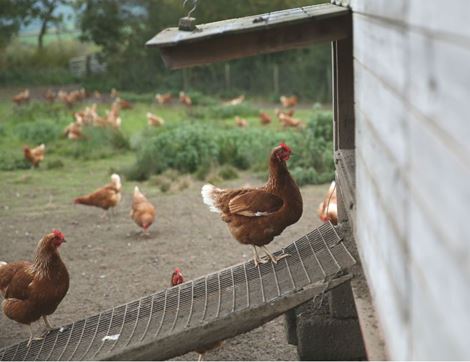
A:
(12, 14)
(45, 11)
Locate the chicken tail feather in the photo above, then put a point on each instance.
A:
(207, 193)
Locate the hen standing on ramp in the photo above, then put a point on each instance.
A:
(256, 215)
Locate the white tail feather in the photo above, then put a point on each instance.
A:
(207, 193)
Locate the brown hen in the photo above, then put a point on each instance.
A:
(142, 212)
(256, 215)
(105, 197)
(35, 289)
(34, 155)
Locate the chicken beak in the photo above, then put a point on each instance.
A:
(64, 241)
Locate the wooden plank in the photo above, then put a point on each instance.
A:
(343, 84)
(262, 40)
(395, 9)
(370, 328)
(385, 111)
(227, 327)
(346, 185)
(392, 247)
(435, 17)
(382, 48)
(334, 96)
(253, 23)
(438, 332)
(439, 182)
(390, 306)
(440, 92)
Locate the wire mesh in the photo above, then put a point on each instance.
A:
(316, 257)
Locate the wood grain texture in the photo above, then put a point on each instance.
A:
(386, 112)
(439, 89)
(413, 167)
(260, 41)
(382, 48)
(441, 18)
(395, 9)
(343, 83)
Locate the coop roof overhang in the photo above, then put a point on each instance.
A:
(252, 35)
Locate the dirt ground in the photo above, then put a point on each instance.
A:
(110, 263)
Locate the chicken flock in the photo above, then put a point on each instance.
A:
(32, 290)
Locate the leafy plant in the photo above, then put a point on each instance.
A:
(38, 132)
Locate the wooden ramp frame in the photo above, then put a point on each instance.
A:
(217, 306)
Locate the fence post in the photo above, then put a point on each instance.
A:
(185, 79)
(276, 79)
(227, 76)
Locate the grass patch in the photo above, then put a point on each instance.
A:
(208, 147)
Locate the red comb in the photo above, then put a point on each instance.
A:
(283, 145)
(58, 233)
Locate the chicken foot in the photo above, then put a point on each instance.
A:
(256, 259)
(273, 258)
(201, 357)
(48, 329)
(31, 336)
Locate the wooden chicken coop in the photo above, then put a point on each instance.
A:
(400, 80)
(400, 83)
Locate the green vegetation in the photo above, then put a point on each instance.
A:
(202, 141)
(118, 30)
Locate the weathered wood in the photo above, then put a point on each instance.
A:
(384, 278)
(346, 183)
(439, 184)
(248, 24)
(394, 10)
(382, 48)
(439, 85)
(344, 103)
(412, 170)
(453, 22)
(264, 40)
(230, 326)
(383, 110)
(334, 96)
(371, 334)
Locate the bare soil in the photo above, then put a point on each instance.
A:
(111, 263)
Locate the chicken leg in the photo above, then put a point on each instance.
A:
(46, 322)
(273, 258)
(256, 259)
(30, 335)
(201, 357)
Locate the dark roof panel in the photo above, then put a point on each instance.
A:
(251, 35)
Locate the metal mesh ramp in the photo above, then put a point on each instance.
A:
(214, 307)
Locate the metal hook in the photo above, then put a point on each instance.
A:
(192, 10)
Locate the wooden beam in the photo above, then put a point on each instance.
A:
(227, 46)
(343, 85)
(227, 327)
(346, 185)
(343, 91)
(334, 95)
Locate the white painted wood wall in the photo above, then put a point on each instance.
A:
(412, 107)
